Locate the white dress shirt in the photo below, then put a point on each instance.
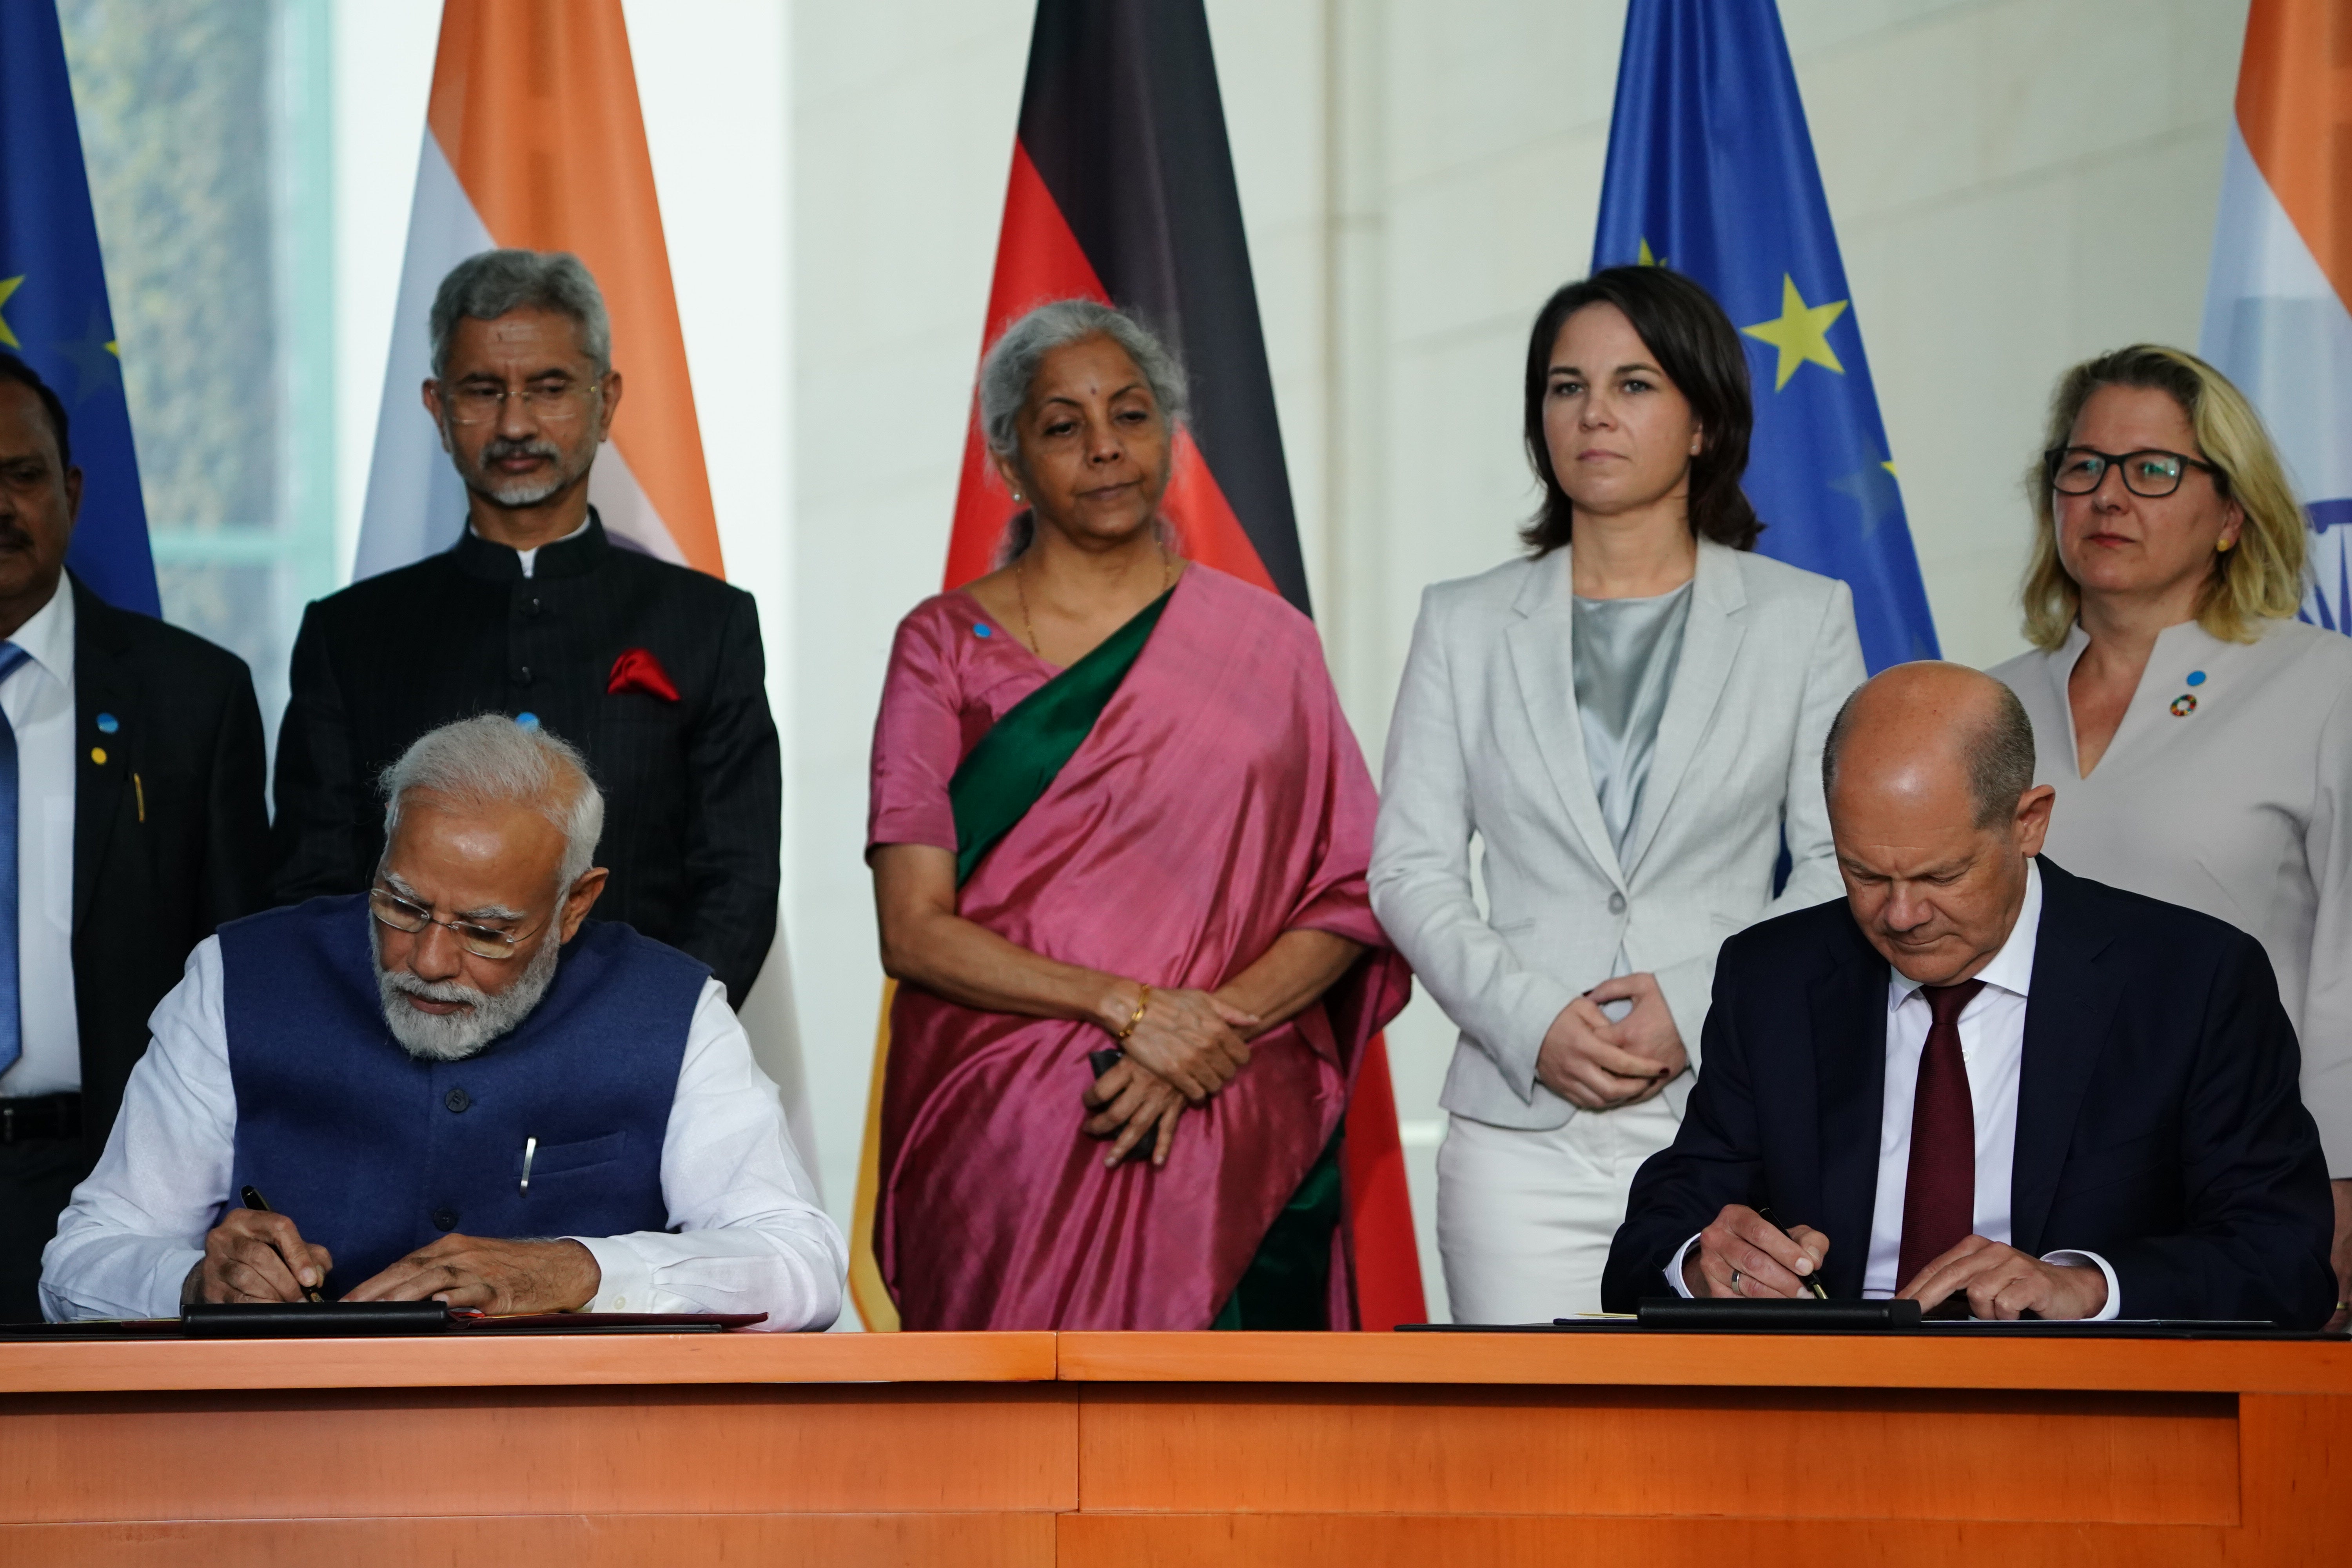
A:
(752, 1238)
(38, 698)
(1992, 1044)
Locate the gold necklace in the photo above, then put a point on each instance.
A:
(1021, 595)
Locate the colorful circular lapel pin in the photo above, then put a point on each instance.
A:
(980, 629)
(2196, 678)
(108, 723)
(2184, 705)
(97, 755)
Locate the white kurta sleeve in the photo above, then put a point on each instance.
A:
(135, 1228)
(748, 1235)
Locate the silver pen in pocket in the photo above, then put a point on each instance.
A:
(530, 1151)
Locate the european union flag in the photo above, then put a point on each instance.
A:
(53, 311)
(1711, 172)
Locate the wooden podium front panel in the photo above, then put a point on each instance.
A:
(897, 1450)
(893, 1449)
(1131, 1451)
(2118, 1458)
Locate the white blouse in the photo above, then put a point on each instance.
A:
(2227, 788)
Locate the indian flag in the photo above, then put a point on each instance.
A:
(2278, 301)
(534, 139)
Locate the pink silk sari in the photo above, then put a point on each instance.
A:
(1219, 801)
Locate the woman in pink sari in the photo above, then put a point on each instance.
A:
(1119, 836)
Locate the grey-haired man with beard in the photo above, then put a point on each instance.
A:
(419, 1074)
(654, 670)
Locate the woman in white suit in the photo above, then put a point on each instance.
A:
(1630, 724)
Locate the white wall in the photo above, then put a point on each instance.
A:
(2016, 184)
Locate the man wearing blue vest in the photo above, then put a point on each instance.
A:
(417, 1075)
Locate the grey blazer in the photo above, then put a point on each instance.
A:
(1486, 743)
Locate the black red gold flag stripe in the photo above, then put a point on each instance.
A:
(1122, 190)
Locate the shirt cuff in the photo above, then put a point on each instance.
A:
(1675, 1268)
(628, 1285)
(2070, 1257)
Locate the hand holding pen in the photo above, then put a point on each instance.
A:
(1744, 1254)
(254, 1255)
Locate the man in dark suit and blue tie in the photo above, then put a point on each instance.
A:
(132, 824)
(1978, 1080)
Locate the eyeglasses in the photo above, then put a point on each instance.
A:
(2079, 470)
(483, 942)
(550, 404)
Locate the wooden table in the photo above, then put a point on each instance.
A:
(1136, 1450)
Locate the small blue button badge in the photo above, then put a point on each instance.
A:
(108, 723)
(2196, 678)
(528, 721)
(980, 629)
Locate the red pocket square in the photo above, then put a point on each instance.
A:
(638, 670)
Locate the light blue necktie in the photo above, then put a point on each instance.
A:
(12, 1016)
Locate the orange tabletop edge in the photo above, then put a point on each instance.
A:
(1840, 1361)
(475, 1360)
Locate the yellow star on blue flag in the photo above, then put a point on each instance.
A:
(1710, 165)
(57, 323)
(1801, 333)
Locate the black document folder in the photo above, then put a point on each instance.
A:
(1805, 1314)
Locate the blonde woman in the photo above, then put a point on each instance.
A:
(2199, 737)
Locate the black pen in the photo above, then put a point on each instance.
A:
(1813, 1281)
(254, 1201)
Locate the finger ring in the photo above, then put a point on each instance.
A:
(1735, 1284)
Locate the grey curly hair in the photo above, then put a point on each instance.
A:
(490, 760)
(1010, 370)
(488, 284)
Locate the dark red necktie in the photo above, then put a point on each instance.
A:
(1940, 1194)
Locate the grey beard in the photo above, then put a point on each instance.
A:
(524, 493)
(454, 1037)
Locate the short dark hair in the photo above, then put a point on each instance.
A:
(16, 370)
(2000, 755)
(1699, 351)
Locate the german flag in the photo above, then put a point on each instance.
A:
(1122, 190)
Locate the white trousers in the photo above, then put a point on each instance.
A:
(1524, 1218)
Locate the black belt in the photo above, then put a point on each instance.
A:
(41, 1116)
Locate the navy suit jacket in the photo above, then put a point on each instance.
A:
(171, 831)
(2158, 1122)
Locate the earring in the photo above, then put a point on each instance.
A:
(2224, 546)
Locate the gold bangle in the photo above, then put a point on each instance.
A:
(1141, 1003)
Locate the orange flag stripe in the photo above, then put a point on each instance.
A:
(2295, 110)
(535, 106)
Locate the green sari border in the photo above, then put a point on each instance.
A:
(1023, 753)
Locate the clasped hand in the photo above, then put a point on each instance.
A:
(1596, 1065)
(253, 1256)
(1187, 1045)
(1744, 1253)
(1189, 1040)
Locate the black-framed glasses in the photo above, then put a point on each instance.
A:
(408, 916)
(2150, 471)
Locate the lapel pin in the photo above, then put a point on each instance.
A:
(2184, 705)
(97, 755)
(108, 723)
